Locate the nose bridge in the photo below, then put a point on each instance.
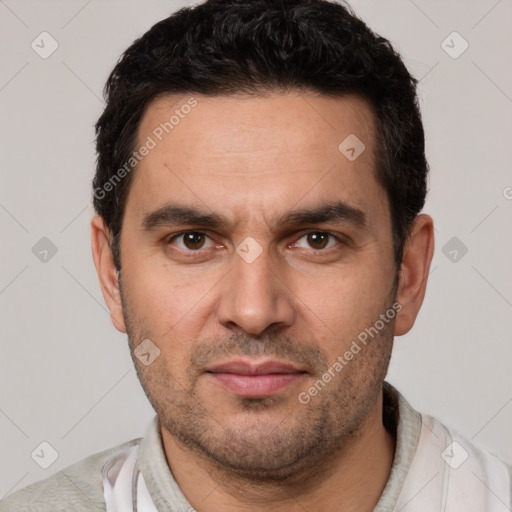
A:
(253, 272)
(254, 297)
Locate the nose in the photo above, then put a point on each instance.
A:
(255, 296)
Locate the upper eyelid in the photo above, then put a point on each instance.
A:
(298, 236)
(338, 238)
(302, 232)
(170, 238)
(181, 233)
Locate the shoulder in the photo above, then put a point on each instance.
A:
(455, 450)
(78, 487)
(437, 468)
(466, 473)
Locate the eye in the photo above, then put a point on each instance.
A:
(317, 240)
(191, 241)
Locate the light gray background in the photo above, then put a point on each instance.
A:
(66, 375)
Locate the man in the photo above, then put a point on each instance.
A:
(260, 178)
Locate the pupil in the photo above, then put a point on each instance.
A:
(318, 240)
(193, 240)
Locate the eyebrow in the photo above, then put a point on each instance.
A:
(331, 212)
(176, 214)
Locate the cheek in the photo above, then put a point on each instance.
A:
(168, 303)
(344, 302)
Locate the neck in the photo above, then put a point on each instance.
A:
(351, 480)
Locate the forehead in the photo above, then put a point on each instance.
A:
(241, 123)
(267, 151)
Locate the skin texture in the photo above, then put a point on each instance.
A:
(303, 299)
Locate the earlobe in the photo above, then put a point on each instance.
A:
(107, 272)
(413, 275)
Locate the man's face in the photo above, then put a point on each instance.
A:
(254, 252)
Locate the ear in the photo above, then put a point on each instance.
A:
(107, 272)
(413, 275)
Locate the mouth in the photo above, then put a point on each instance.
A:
(250, 379)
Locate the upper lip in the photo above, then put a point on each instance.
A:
(244, 367)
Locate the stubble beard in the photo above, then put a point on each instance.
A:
(288, 450)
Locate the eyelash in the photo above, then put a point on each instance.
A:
(169, 240)
(191, 252)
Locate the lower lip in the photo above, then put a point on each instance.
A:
(256, 386)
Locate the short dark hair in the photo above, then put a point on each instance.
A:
(224, 47)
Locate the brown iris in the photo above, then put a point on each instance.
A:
(193, 240)
(318, 240)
